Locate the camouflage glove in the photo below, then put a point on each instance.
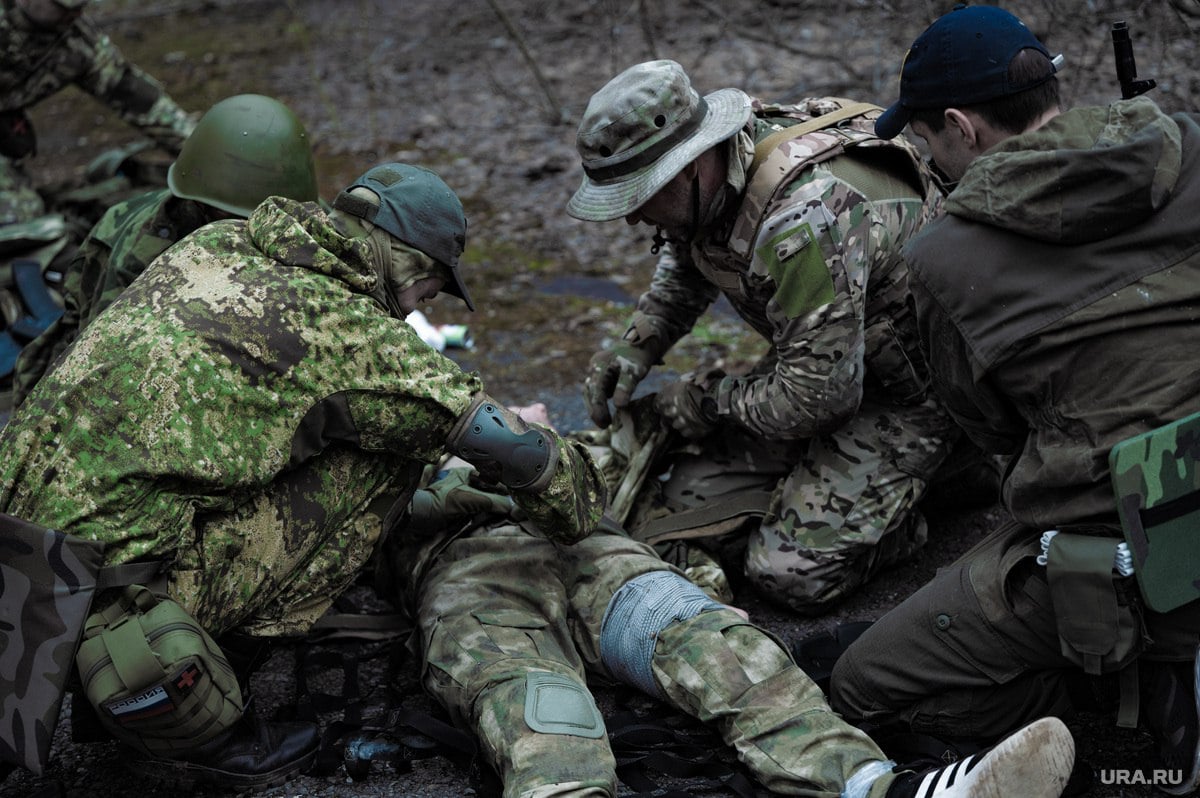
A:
(452, 501)
(615, 373)
(687, 408)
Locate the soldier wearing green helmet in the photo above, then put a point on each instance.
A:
(255, 413)
(244, 149)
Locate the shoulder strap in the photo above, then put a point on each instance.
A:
(768, 145)
(132, 573)
(774, 162)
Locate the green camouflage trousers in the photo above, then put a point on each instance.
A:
(500, 604)
(275, 565)
(816, 518)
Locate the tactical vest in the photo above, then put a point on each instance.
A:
(816, 132)
(839, 135)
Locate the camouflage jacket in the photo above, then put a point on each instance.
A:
(35, 64)
(822, 281)
(240, 353)
(118, 249)
(1075, 325)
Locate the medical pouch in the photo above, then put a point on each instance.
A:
(1098, 626)
(158, 681)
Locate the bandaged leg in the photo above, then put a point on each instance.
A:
(498, 656)
(708, 661)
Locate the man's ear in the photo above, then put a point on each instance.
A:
(964, 124)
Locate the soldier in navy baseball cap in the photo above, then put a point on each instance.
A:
(963, 59)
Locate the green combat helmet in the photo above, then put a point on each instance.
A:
(244, 149)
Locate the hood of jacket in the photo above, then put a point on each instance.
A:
(301, 235)
(1082, 176)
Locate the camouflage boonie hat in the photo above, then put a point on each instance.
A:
(641, 130)
(418, 208)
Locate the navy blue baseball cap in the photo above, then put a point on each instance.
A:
(961, 59)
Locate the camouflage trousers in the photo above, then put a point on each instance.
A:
(275, 565)
(816, 518)
(500, 604)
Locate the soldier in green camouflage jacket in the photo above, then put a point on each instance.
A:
(255, 411)
(796, 214)
(244, 149)
(45, 46)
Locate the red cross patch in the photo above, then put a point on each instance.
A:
(185, 680)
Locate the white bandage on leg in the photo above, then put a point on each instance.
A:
(643, 607)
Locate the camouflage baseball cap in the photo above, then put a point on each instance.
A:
(641, 130)
(418, 208)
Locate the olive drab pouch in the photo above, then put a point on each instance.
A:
(1156, 478)
(47, 580)
(157, 680)
(1099, 628)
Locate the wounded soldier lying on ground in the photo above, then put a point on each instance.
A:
(511, 622)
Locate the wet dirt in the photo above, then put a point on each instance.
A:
(488, 95)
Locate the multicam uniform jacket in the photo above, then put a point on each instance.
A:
(836, 421)
(245, 400)
(130, 234)
(39, 63)
(823, 282)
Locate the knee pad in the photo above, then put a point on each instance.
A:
(157, 680)
(636, 614)
(557, 704)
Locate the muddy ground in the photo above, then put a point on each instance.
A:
(488, 93)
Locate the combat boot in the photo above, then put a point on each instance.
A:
(253, 755)
(1033, 762)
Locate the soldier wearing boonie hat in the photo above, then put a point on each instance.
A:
(770, 205)
(641, 130)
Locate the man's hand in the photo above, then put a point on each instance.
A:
(687, 408)
(615, 373)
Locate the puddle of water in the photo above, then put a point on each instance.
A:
(581, 286)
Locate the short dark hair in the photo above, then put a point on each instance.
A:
(1013, 113)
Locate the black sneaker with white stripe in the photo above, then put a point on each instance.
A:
(1033, 762)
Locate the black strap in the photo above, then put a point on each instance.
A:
(131, 573)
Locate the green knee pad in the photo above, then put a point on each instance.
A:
(556, 704)
(157, 680)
